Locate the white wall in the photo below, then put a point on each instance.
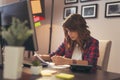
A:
(101, 28)
(42, 31)
(104, 28)
(0, 2)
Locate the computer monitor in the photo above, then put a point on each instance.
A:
(0, 17)
(0, 28)
(21, 10)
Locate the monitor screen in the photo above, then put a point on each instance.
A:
(21, 10)
(0, 16)
(0, 27)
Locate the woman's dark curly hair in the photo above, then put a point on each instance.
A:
(76, 23)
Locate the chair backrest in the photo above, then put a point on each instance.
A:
(104, 52)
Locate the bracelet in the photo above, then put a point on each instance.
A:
(74, 61)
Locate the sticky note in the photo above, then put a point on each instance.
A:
(65, 76)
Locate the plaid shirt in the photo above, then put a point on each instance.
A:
(90, 53)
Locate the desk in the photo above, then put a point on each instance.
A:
(99, 75)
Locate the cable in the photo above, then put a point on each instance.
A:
(52, 11)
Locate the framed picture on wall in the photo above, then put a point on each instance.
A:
(87, 0)
(69, 10)
(112, 9)
(70, 1)
(89, 11)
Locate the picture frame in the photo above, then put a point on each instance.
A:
(89, 11)
(70, 1)
(112, 9)
(69, 10)
(87, 0)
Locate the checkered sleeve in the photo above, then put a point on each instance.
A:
(60, 51)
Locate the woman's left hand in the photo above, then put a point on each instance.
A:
(59, 60)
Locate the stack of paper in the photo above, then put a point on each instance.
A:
(52, 65)
(47, 72)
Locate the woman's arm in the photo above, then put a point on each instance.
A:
(46, 57)
(92, 53)
(59, 60)
(60, 50)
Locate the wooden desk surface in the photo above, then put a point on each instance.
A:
(99, 75)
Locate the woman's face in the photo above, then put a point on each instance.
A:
(72, 34)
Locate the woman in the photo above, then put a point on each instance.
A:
(79, 47)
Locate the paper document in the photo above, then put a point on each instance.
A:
(40, 58)
(51, 64)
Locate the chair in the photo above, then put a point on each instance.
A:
(104, 52)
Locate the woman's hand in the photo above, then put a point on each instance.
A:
(45, 57)
(82, 62)
(59, 60)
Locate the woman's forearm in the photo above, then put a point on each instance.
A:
(59, 60)
(71, 61)
(45, 57)
(82, 62)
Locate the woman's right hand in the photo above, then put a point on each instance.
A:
(59, 60)
(45, 57)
